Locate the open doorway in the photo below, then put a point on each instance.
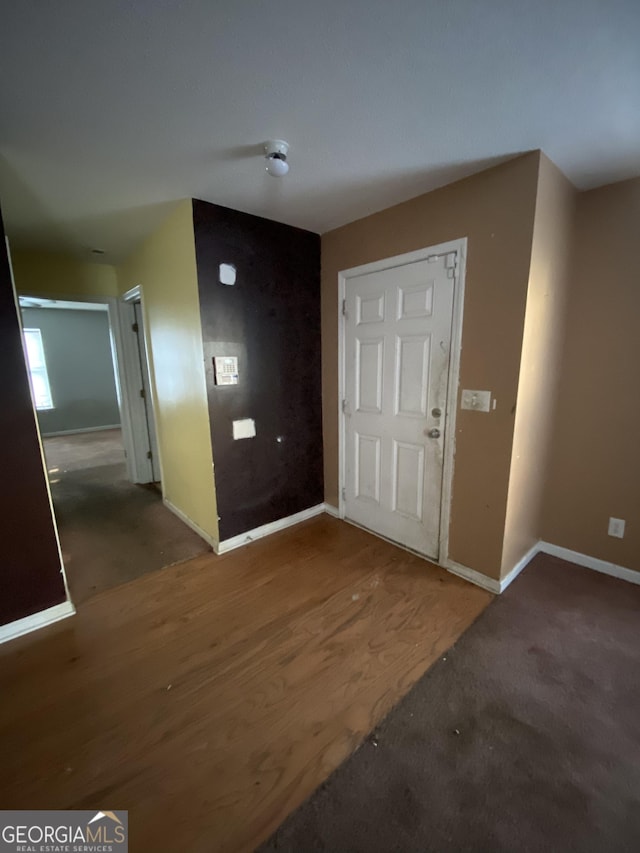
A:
(136, 395)
(91, 389)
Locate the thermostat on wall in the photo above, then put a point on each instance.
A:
(226, 369)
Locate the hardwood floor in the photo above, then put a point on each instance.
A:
(211, 698)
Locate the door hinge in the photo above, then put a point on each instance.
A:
(344, 406)
(344, 307)
(149, 454)
(344, 494)
(142, 394)
(135, 328)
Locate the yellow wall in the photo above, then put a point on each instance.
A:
(540, 360)
(165, 267)
(58, 276)
(495, 210)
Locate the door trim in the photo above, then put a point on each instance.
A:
(460, 247)
(140, 467)
(118, 356)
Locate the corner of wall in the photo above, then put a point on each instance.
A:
(595, 459)
(542, 346)
(165, 268)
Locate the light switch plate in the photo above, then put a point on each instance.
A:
(476, 401)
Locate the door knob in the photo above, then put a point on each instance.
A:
(434, 433)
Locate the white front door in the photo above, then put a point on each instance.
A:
(397, 346)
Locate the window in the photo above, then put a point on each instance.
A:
(38, 369)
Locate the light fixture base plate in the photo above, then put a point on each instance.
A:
(276, 146)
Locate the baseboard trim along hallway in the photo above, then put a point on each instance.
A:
(332, 510)
(588, 562)
(472, 576)
(541, 547)
(16, 629)
(519, 566)
(185, 518)
(267, 529)
(80, 431)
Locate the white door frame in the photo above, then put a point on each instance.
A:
(460, 247)
(139, 465)
(118, 357)
(126, 368)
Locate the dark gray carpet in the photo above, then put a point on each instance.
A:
(524, 737)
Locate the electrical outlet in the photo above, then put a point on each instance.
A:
(616, 527)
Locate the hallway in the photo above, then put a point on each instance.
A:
(111, 531)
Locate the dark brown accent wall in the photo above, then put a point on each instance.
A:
(270, 320)
(30, 578)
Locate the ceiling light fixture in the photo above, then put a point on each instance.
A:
(275, 152)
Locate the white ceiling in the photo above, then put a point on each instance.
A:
(111, 110)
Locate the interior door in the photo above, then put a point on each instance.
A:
(397, 347)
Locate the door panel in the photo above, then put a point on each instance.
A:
(412, 375)
(416, 301)
(408, 479)
(370, 308)
(397, 347)
(368, 468)
(369, 361)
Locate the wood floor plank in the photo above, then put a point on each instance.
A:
(209, 699)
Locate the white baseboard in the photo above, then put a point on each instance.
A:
(37, 620)
(472, 575)
(78, 431)
(330, 509)
(186, 520)
(519, 566)
(590, 562)
(267, 529)
(576, 557)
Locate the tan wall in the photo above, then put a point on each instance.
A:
(165, 267)
(495, 210)
(595, 465)
(541, 354)
(58, 276)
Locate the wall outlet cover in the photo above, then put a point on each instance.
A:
(616, 528)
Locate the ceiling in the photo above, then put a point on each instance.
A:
(111, 111)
